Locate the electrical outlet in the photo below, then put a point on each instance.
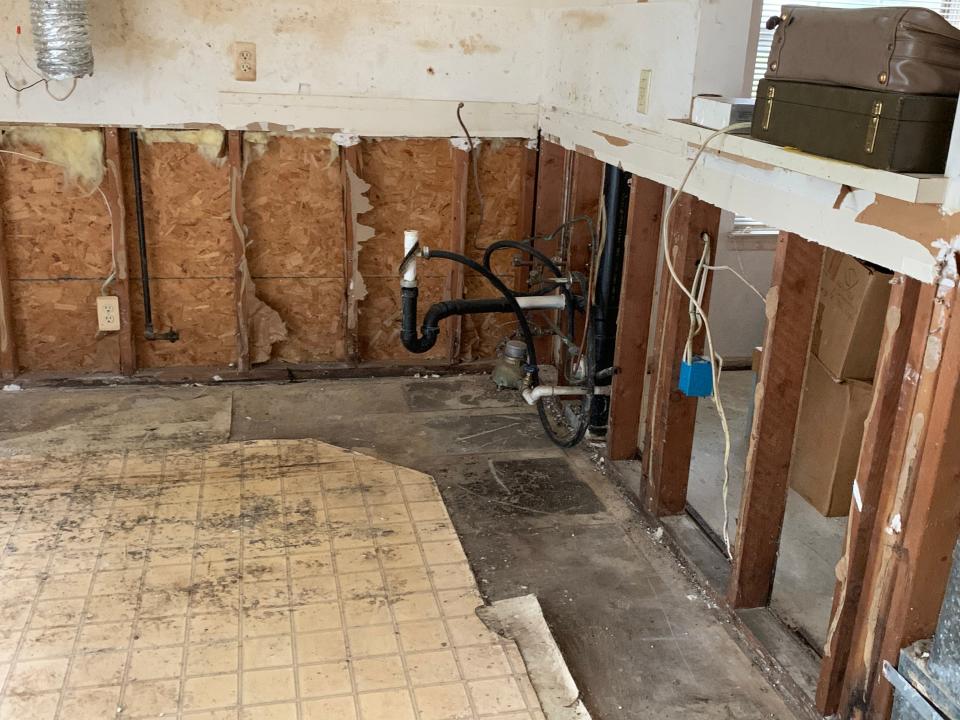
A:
(108, 313)
(643, 93)
(245, 61)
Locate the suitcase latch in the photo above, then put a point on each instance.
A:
(873, 127)
(768, 111)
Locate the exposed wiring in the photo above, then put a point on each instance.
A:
(58, 98)
(41, 79)
(475, 165)
(746, 282)
(714, 370)
(20, 88)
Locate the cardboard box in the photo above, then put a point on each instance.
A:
(850, 317)
(826, 448)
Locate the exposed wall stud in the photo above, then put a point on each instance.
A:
(877, 438)
(528, 209)
(240, 274)
(350, 163)
(791, 308)
(458, 242)
(671, 414)
(112, 187)
(8, 347)
(636, 309)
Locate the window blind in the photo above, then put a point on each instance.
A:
(950, 9)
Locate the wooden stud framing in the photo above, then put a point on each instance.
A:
(917, 520)
(877, 438)
(112, 187)
(349, 163)
(671, 414)
(458, 243)
(528, 208)
(636, 308)
(791, 309)
(240, 272)
(586, 196)
(8, 340)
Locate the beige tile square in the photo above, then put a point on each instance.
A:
(168, 577)
(436, 531)
(443, 553)
(320, 646)
(322, 616)
(496, 696)
(379, 673)
(152, 698)
(449, 577)
(367, 611)
(269, 621)
(431, 510)
(424, 635)
(352, 515)
(470, 631)
(160, 631)
(339, 708)
(386, 705)
(213, 658)
(277, 711)
(156, 663)
(58, 587)
(29, 707)
(263, 569)
(358, 559)
(48, 613)
(374, 640)
(47, 642)
(383, 494)
(91, 702)
(458, 603)
(389, 513)
(273, 593)
(420, 492)
(408, 580)
(267, 652)
(396, 534)
(432, 667)
(343, 497)
(102, 668)
(483, 661)
(401, 556)
(443, 702)
(215, 627)
(108, 582)
(104, 636)
(363, 584)
(314, 589)
(415, 606)
(325, 679)
(110, 608)
(37, 676)
(213, 691)
(313, 563)
(262, 686)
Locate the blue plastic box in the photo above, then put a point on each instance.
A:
(696, 378)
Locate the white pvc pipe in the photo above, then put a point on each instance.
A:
(542, 302)
(410, 238)
(531, 395)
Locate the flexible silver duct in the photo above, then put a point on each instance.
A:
(61, 38)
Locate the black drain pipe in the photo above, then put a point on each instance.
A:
(148, 331)
(430, 329)
(606, 301)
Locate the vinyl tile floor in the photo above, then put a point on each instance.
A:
(242, 581)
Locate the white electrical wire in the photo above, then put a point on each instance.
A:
(746, 282)
(714, 371)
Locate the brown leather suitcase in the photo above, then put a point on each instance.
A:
(909, 50)
(894, 131)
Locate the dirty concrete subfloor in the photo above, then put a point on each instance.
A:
(638, 636)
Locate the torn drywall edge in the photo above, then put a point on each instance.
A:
(260, 326)
(359, 203)
(521, 620)
(209, 141)
(256, 144)
(78, 151)
(343, 139)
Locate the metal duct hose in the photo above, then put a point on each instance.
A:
(61, 37)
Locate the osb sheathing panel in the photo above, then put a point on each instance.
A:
(186, 209)
(293, 208)
(55, 324)
(501, 166)
(379, 328)
(201, 310)
(53, 230)
(312, 308)
(411, 188)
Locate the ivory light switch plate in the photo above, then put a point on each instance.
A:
(108, 313)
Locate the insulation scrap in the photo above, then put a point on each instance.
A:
(209, 141)
(78, 151)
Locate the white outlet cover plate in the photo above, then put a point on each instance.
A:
(108, 313)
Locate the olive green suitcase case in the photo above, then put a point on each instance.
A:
(879, 129)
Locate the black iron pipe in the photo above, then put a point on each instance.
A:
(606, 300)
(148, 330)
(430, 329)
